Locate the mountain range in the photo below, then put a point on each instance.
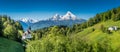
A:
(67, 20)
(26, 22)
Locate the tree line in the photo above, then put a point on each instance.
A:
(60, 38)
(64, 39)
(113, 14)
(10, 29)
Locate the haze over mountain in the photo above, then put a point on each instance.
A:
(67, 20)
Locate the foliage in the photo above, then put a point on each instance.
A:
(113, 14)
(60, 43)
(9, 28)
(90, 36)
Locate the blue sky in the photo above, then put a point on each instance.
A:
(43, 9)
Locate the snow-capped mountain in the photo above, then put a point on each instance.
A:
(26, 22)
(29, 20)
(67, 16)
(68, 20)
(56, 17)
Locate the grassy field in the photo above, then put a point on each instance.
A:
(99, 36)
(10, 46)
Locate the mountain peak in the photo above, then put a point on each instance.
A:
(29, 20)
(68, 12)
(69, 16)
(56, 17)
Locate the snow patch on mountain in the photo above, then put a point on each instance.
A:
(29, 20)
(56, 17)
(68, 19)
(67, 16)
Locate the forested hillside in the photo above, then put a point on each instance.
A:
(10, 35)
(91, 36)
(9, 28)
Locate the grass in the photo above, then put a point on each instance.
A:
(98, 35)
(10, 46)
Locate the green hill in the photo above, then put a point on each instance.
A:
(7, 45)
(10, 35)
(90, 36)
(88, 40)
(99, 36)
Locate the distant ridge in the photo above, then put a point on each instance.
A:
(67, 20)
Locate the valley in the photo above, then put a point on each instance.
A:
(60, 26)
